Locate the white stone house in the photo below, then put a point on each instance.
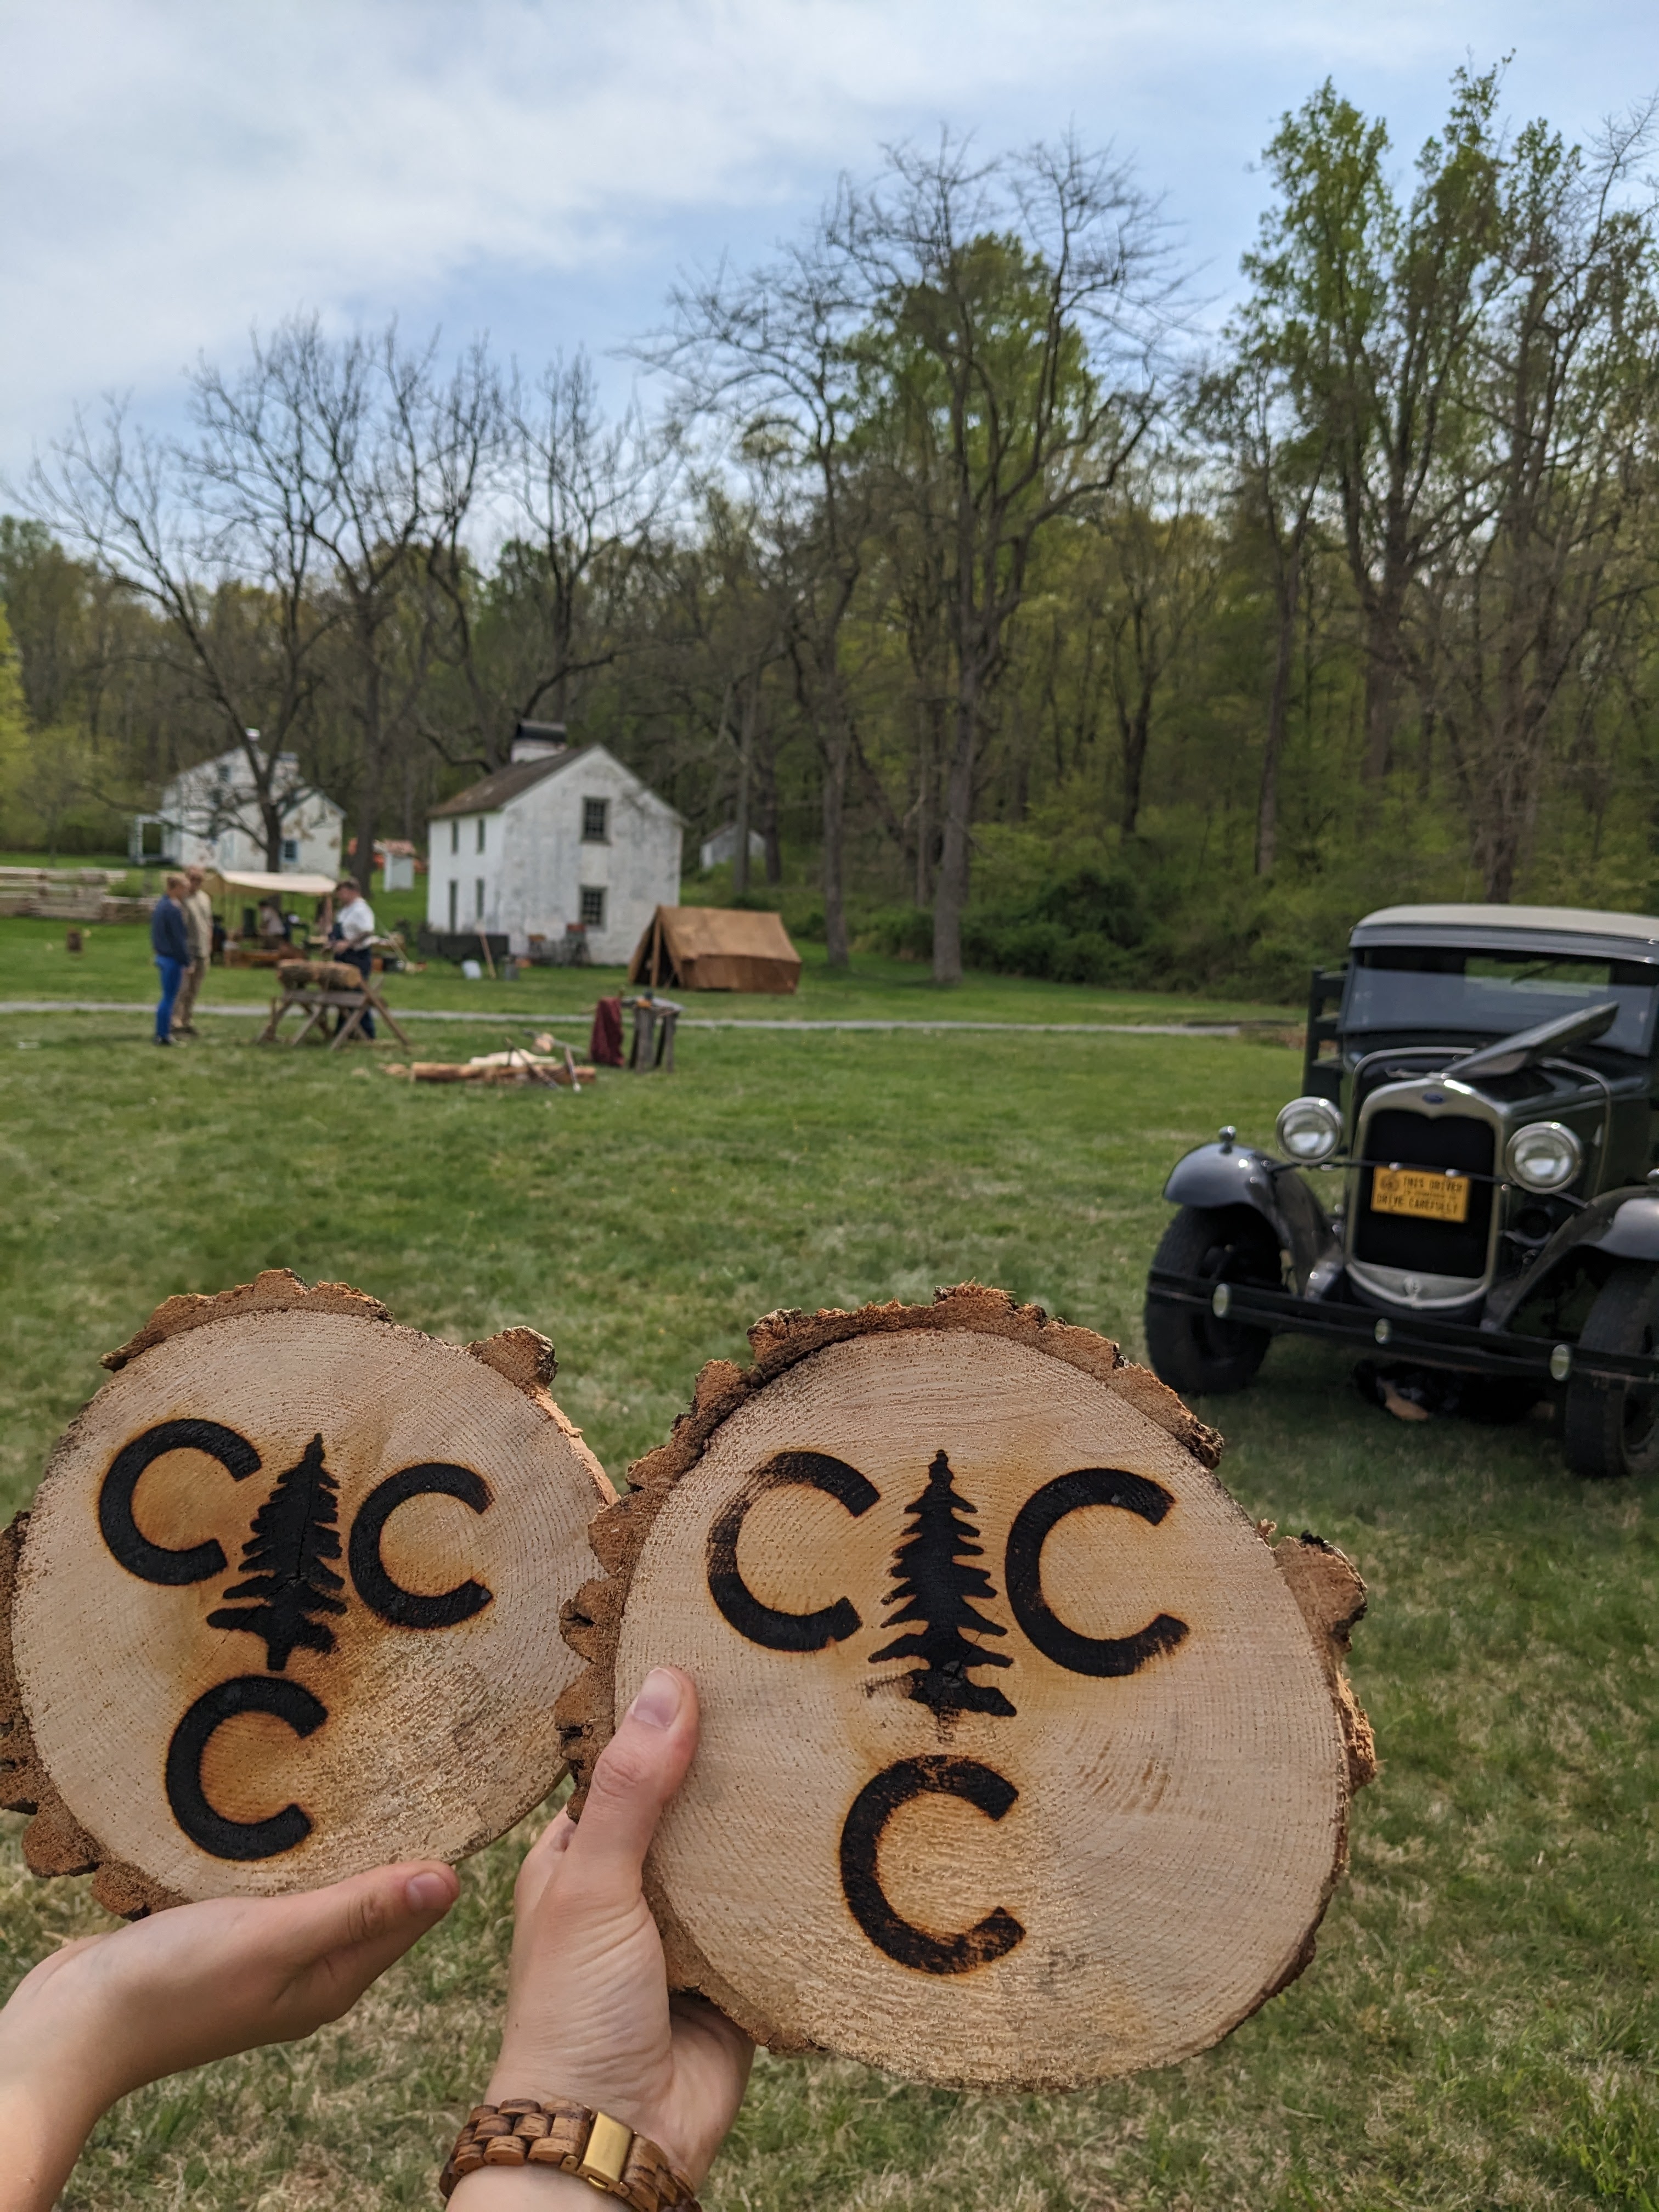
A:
(563, 833)
(211, 818)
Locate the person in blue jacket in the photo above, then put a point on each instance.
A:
(169, 941)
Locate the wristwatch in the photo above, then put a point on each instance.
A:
(607, 2153)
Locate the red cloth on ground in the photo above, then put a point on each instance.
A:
(604, 1047)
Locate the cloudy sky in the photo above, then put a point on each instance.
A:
(173, 172)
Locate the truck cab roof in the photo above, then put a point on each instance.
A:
(1559, 929)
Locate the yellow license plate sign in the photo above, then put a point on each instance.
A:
(1425, 1191)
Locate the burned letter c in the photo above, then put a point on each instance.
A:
(988, 1792)
(158, 1563)
(765, 1625)
(208, 1828)
(1041, 1513)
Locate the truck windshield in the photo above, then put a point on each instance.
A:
(1494, 995)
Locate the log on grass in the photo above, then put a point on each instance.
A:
(283, 1607)
(1025, 1758)
(319, 975)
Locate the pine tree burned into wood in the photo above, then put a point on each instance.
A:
(293, 1538)
(935, 1587)
(387, 1689)
(1105, 1861)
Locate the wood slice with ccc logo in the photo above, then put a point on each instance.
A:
(1025, 1758)
(285, 1606)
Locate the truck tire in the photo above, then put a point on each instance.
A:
(1190, 1349)
(1609, 1428)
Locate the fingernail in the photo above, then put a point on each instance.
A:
(428, 1893)
(658, 1703)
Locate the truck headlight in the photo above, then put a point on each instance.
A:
(1309, 1129)
(1543, 1157)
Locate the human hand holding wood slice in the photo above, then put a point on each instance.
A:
(284, 1606)
(1025, 1758)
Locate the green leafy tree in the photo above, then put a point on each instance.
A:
(1373, 308)
(13, 730)
(1532, 612)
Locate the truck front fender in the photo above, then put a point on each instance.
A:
(1633, 1231)
(1623, 1224)
(1225, 1174)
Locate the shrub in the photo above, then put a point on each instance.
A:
(903, 933)
(1089, 903)
(1086, 928)
(1093, 959)
(1028, 948)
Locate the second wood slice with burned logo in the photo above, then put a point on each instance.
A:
(284, 1606)
(1025, 1758)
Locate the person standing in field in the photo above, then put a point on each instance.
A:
(169, 943)
(355, 924)
(198, 930)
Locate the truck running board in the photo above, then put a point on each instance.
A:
(1538, 1359)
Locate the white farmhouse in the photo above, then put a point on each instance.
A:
(211, 818)
(563, 835)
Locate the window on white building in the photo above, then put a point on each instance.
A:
(481, 833)
(477, 898)
(592, 906)
(455, 836)
(290, 851)
(595, 819)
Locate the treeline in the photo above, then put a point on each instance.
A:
(1018, 624)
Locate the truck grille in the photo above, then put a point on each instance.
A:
(1416, 1140)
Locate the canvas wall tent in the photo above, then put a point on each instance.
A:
(711, 948)
(219, 883)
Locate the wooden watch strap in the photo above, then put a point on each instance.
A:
(601, 2151)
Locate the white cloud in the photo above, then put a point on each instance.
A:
(174, 170)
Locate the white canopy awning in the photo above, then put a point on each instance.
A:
(218, 880)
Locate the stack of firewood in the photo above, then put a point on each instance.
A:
(511, 1067)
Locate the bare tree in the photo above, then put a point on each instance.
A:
(581, 499)
(231, 576)
(373, 464)
(775, 355)
(1019, 303)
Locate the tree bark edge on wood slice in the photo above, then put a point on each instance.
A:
(1326, 1592)
(55, 1842)
(277, 1290)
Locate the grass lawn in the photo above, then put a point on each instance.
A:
(1479, 2028)
(116, 965)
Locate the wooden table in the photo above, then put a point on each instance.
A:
(316, 1004)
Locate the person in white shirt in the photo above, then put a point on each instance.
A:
(355, 925)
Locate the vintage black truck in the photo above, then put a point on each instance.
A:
(1467, 1180)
